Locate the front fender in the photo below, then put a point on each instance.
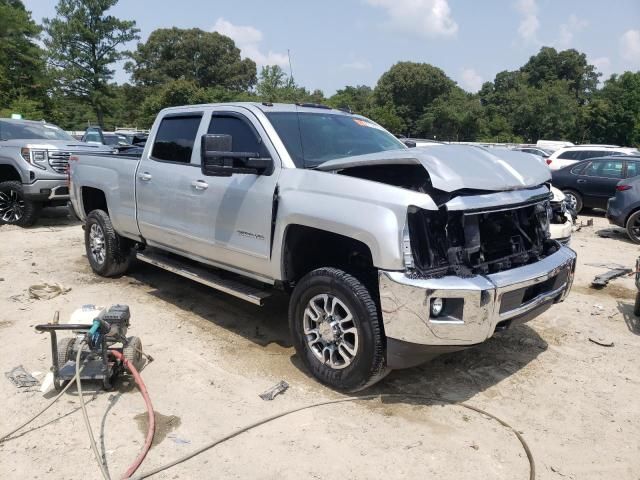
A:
(370, 212)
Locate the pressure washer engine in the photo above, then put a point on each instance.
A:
(105, 329)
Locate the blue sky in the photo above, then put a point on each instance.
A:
(334, 43)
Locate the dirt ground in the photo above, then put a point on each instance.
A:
(574, 401)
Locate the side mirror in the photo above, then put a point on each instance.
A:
(409, 143)
(218, 159)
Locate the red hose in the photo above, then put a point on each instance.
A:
(152, 420)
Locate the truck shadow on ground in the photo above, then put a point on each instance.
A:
(631, 320)
(456, 376)
(263, 326)
(56, 217)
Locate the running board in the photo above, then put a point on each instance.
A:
(203, 275)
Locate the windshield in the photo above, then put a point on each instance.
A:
(315, 138)
(12, 130)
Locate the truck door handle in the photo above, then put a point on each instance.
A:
(144, 176)
(199, 184)
(582, 181)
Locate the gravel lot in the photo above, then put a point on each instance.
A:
(575, 402)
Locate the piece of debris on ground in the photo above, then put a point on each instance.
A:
(21, 378)
(274, 391)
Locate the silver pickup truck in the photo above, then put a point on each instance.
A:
(33, 168)
(391, 255)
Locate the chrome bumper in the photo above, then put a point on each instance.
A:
(474, 307)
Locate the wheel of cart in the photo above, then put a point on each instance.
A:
(65, 353)
(132, 352)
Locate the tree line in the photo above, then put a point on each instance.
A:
(63, 71)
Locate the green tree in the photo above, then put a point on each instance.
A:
(21, 60)
(206, 58)
(83, 42)
(614, 115)
(275, 85)
(358, 99)
(549, 65)
(455, 116)
(411, 87)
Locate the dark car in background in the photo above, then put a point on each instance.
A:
(623, 209)
(590, 183)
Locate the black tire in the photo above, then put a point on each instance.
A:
(636, 307)
(116, 252)
(65, 350)
(12, 197)
(133, 352)
(578, 203)
(368, 365)
(633, 227)
(65, 353)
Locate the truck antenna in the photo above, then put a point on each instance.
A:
(290, 69)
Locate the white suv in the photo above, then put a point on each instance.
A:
(570, 155)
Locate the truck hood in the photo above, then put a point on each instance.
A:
(457, 167)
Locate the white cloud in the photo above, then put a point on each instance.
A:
(430, 18)
(630, 47)
(248, 40)
(471, 80)
(603, 64)
(357, 65)
(529, 24)
(569, 29)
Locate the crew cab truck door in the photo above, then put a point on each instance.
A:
(169, 206)
(240, 206)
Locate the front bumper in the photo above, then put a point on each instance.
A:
(475, 307)
(43, 190)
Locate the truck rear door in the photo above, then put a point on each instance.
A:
(169, 207)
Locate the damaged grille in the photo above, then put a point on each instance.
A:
(470, 243)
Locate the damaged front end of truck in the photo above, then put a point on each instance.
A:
(479, 259)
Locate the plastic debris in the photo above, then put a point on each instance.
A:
(21, 378)
(603, 279)
(277, 389)
(178, 440)
(47, 291)
(602, 344)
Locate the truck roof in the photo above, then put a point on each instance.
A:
(267, 107)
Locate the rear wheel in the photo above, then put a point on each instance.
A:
(337, 330)
(15, 209)
(574, 200)
(109, 254)
(633, 227)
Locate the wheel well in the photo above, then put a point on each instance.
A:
(308, 248)
(93, 199)
(7, 173)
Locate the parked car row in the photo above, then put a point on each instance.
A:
(611, 183)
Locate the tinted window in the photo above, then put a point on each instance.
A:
(577, 170)
(315, 138)
(23, 130)
(92, 137)
(605, 168)
(244, 137)
(569, 155)
(587, 154)
(633, 168)
(175, 138)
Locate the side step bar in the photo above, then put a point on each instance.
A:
(203, 275)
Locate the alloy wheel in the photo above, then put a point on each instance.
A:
(97, 243)
(330, 330)
(11, 206)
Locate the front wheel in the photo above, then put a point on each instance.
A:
(337, 330)
(15, 209)
(633, 227)
(109, 254)
(574, 200)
